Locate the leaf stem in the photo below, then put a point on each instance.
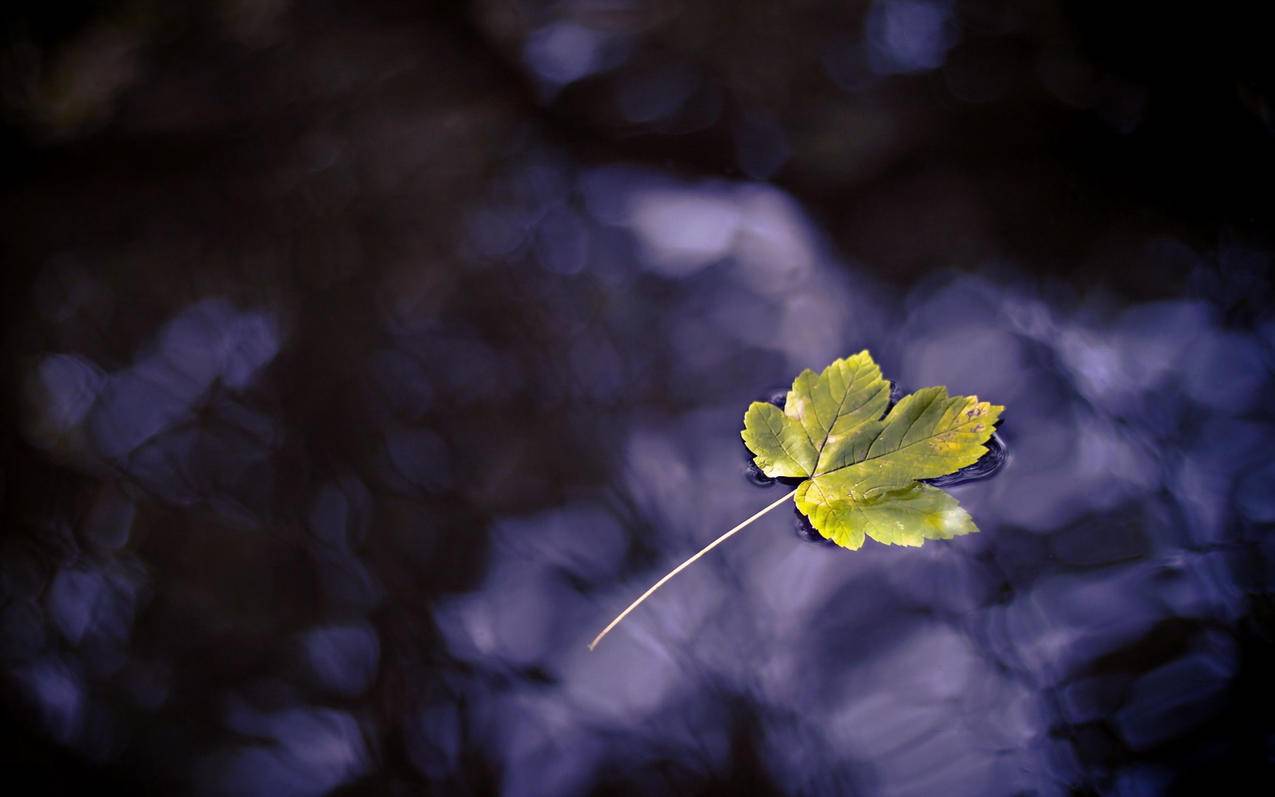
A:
(683, 566)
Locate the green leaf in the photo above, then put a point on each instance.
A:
(861, 471)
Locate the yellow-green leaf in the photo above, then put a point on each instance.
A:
(861, 469)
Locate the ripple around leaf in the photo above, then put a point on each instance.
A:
(755, 476)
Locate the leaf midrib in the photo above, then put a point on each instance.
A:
(896, 450)
(835, 417)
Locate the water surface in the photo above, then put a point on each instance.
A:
(366, 359)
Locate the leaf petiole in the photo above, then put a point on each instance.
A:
(683, 566)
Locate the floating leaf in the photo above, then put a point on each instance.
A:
(862, 468)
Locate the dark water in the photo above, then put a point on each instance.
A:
(365, 359)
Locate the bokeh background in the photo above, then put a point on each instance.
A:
(362, 359)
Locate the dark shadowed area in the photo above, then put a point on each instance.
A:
(361, 360)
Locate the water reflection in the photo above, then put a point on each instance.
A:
(336, 508)
(974, 666)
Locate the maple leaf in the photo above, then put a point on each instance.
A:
(861, 471)
(861, 467)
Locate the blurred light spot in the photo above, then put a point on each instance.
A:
(541, 178)
(1201, 492)
(563, 52)
(72, 598)
(597, 368)
(133, 409)
(700, 346)
(515, 618)
(496, 231)
(562, 242)
(205, 342)
(250, 341)
(1256, 494)
(901, 727)
(433, 740)
(622, 679)
(1136, 352)
(343, 659)
(315, 751)
(583, 538)
(684, 230)
(329, 516)
(420, 457)
(1202, 587)
(980, 360)
(466, 366)
(94, 610)
(775, 244)
(190, 348)
(909, 35)
(657, 471)
(167, 467)
(70, 384)
(58, 695)
(684, 227)
(1060, 623)
(1143, 780)
(811, 326)
(606, 190)
(1226, 371)
(532, 740)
